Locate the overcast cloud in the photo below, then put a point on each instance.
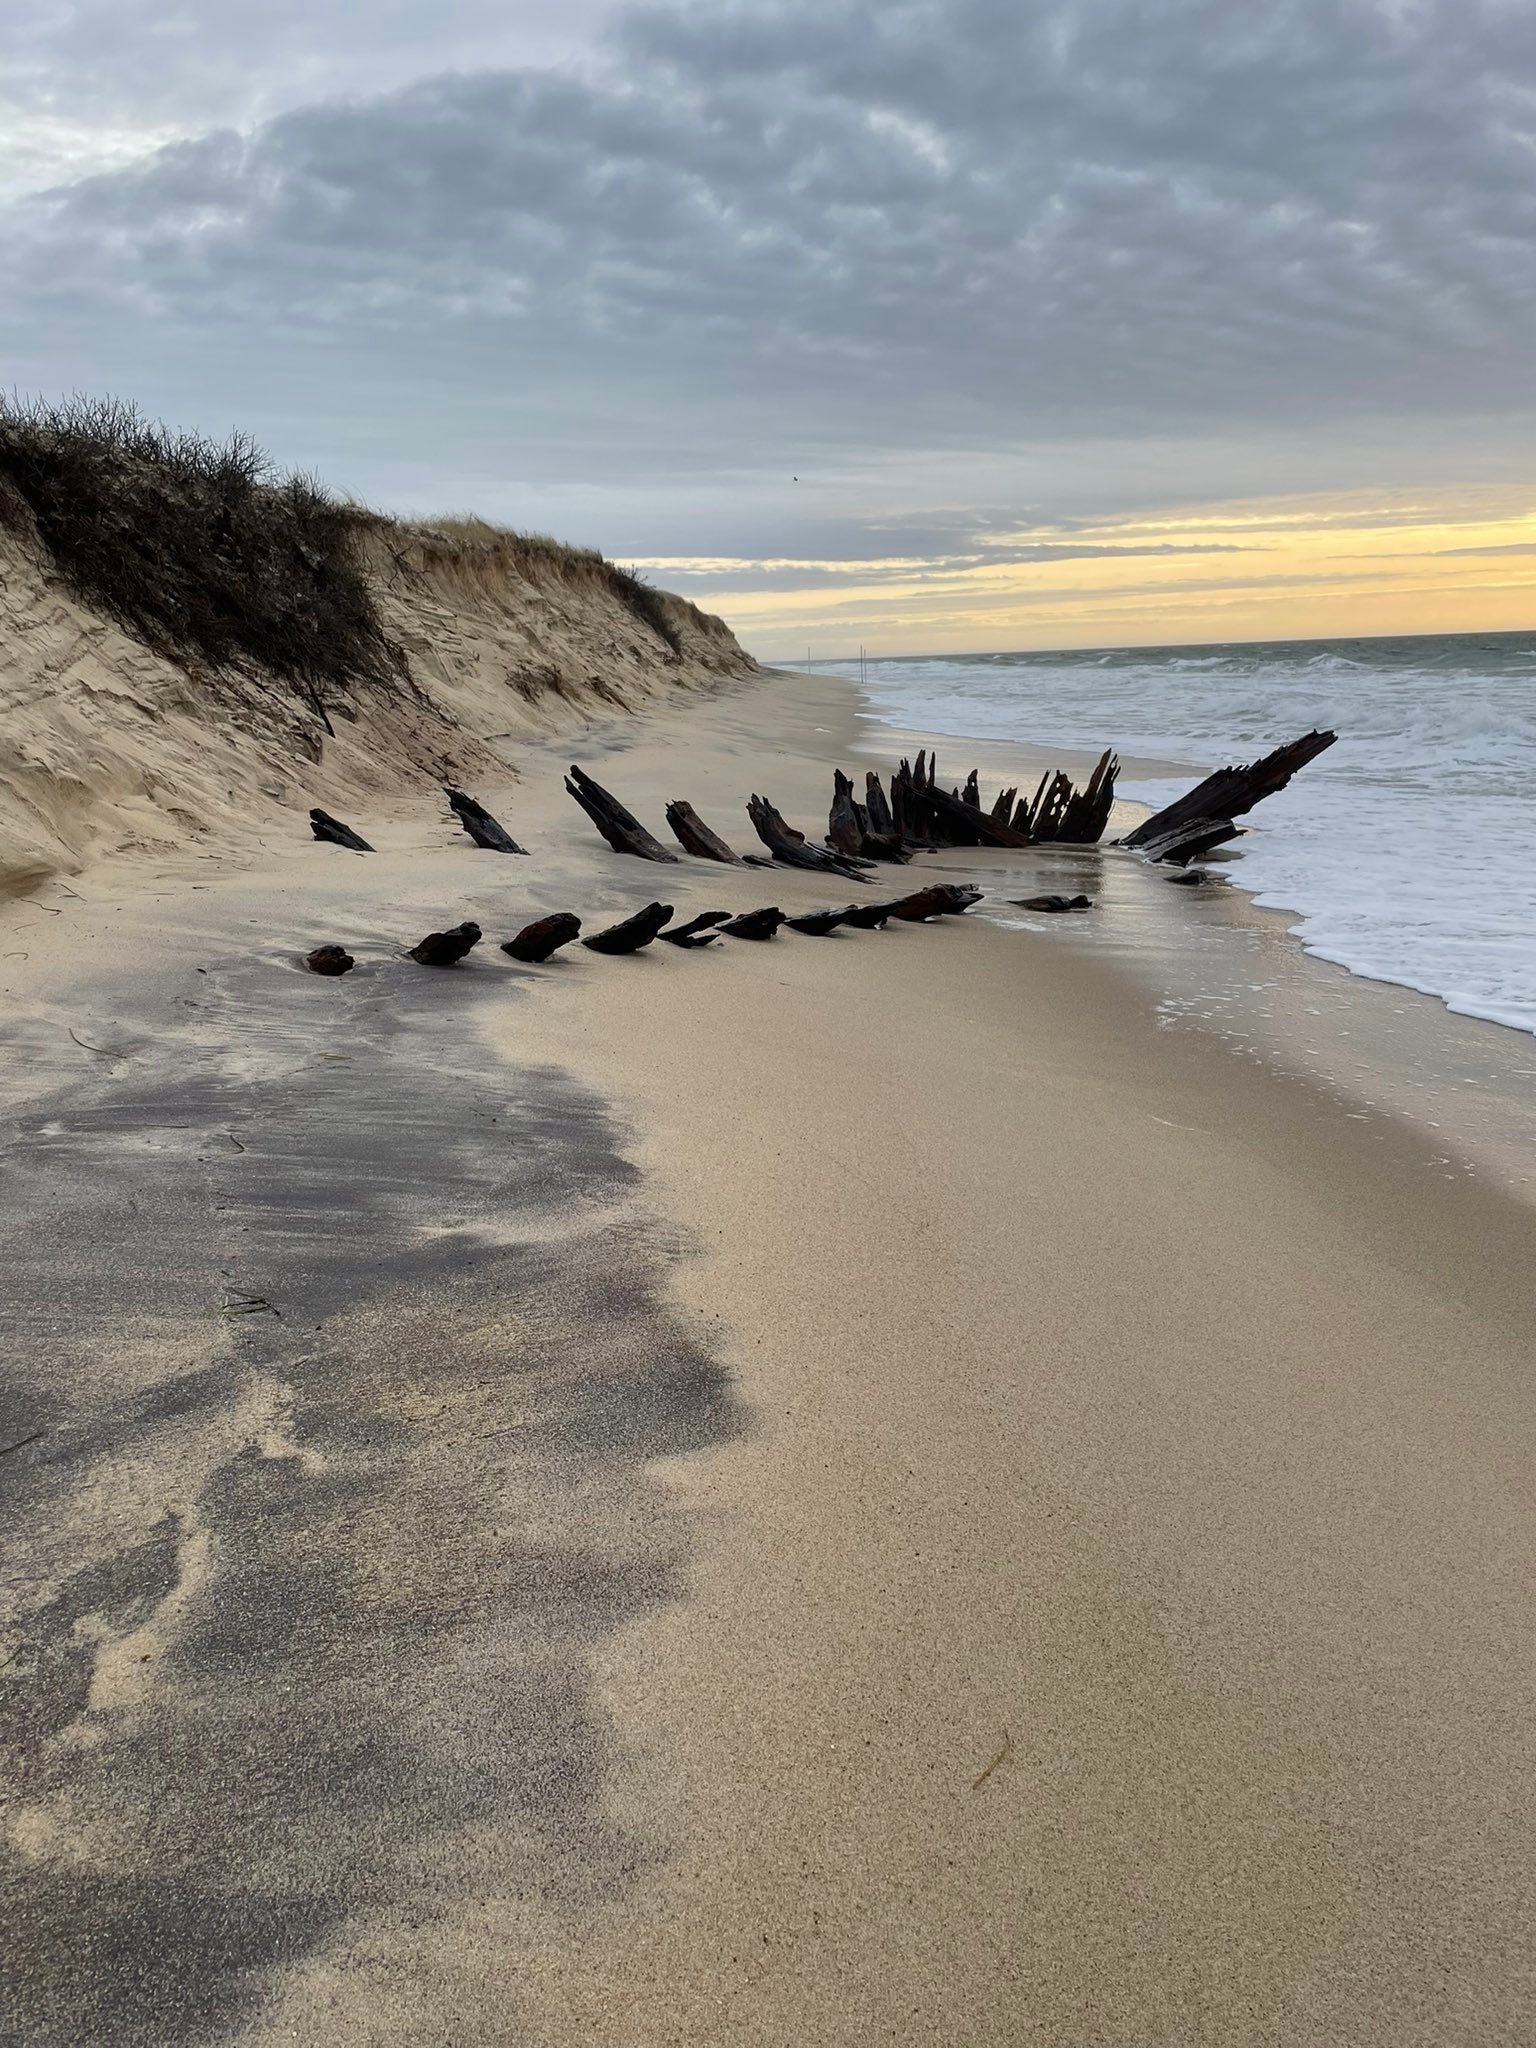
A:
(953, 263)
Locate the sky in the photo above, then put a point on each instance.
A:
(921, 325)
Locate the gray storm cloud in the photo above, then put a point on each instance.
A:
(759, 239)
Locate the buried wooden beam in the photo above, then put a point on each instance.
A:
(621, 828)
(329, 960)
(446, 949)
(1203, 819)
(633, 932)
(942, 899)
(695, 837)
(755, 924)
(479, 824)
(537, 941)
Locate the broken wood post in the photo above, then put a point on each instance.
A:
(817, 922)
(634, 932)
(324, 826)
(698, 931)
(695, 837)
(622, 830)
(755, 924)
(792, 847)
(446, 949)
(479, 824)
(329, 960)
(537, 941)
(1195, 823)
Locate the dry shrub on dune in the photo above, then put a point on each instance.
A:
(199, 546)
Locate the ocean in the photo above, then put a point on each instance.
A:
(1407, 853)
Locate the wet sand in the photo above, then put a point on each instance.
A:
(1015, 1524)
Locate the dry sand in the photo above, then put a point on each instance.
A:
(1097, 1612)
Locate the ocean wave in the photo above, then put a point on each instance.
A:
(1407, 852)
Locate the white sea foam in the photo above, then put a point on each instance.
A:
(1408, 850)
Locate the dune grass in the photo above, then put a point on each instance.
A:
(212, 555)
(200, 547)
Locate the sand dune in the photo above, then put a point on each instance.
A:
(108, 747)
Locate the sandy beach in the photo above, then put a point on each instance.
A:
(848, 1490)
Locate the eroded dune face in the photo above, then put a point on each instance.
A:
(107, 746)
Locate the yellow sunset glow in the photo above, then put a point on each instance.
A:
(1322, 568)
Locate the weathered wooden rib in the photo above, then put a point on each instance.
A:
(817, 923)
(1193, 824)
(446, 949)
(537, 941)
(792, 847)
(479, 824)
(324, 826)
(968, 824)
(695, 837)
(875, 803)
(1087, 810)
(621, 828)
(633, 932)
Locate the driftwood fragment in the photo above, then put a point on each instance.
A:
(622, 830)
(537, 941)
(1054, 903)
(817, 922)
(1203, 819)
(480, 825)
(329, 960)
(792, 847)
(446, 949)
(698, 931)
(1194, 878)
(695, 837)
(324, 826)
(755, 924)
(634, 932)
